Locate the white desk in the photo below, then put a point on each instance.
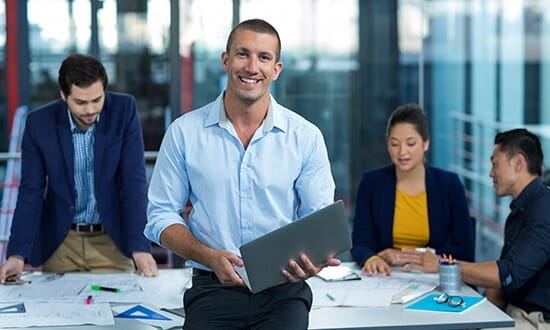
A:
(483, 315)
(393, 317)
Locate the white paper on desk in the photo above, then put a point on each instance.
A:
(56, 314)
(172, 321)
(415, 286)
(43, 288)
(75, 287)
(130, 290)
(411, 292)
(166, 290)
(352, 298)
(370, 291)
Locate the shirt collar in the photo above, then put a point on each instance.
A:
(527, 194)
(273, 118)
(75, 128)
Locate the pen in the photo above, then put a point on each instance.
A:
(89, 300)
(104, 288)
(16, 279)
(12, 276)
(330, 297)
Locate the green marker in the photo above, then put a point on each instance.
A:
(104, 288)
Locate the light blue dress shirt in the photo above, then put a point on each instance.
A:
(237, 194)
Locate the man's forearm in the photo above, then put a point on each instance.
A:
(179, 239)
(483, 274)
(496, 296)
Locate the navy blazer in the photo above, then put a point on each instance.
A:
(451, 229)
(46, 202)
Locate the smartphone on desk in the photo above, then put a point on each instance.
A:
(338, 273)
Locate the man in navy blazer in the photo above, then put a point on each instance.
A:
(82, 199)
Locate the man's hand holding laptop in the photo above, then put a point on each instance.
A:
(222, 263)
(299, 273)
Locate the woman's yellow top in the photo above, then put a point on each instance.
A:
(411, 228)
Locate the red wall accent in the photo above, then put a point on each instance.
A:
(187, 83)
(12, 62)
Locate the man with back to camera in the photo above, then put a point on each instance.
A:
(519, 282)
(248, 166)
(81, 203)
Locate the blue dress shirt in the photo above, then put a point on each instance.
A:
(237, 194)
(85, 202)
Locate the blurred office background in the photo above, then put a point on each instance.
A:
(476, 66)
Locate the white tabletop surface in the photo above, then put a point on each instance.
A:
(393, 317)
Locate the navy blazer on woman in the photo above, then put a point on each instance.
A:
(46, 202)
(451, 230)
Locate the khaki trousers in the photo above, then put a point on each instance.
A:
(524, 320)
(87, 252)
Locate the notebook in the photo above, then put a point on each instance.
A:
(429, 304)
(320, 235)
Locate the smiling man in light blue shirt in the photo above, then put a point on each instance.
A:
(248, 166)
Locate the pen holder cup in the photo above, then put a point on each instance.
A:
(449, 278)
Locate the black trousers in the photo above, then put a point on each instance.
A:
(209, 305)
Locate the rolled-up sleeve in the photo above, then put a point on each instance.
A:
(528, 254)
(169, 186)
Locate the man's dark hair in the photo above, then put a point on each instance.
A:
(412, 114)
(259, 26)
(82, 71)
(521, 141)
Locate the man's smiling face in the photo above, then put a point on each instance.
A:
(251, 65)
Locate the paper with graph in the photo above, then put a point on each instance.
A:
(22, 315)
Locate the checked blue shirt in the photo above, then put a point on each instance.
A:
(85, 204)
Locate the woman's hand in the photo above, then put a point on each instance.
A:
(427, 262)
(376, 266)
(395, 257)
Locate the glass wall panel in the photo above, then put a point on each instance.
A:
(51, 37)
(477, 67)
(133, 42)
(134, 46)
(484, 70)
(203, 35)
(319, 78)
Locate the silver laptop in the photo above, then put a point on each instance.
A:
(320, 235)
